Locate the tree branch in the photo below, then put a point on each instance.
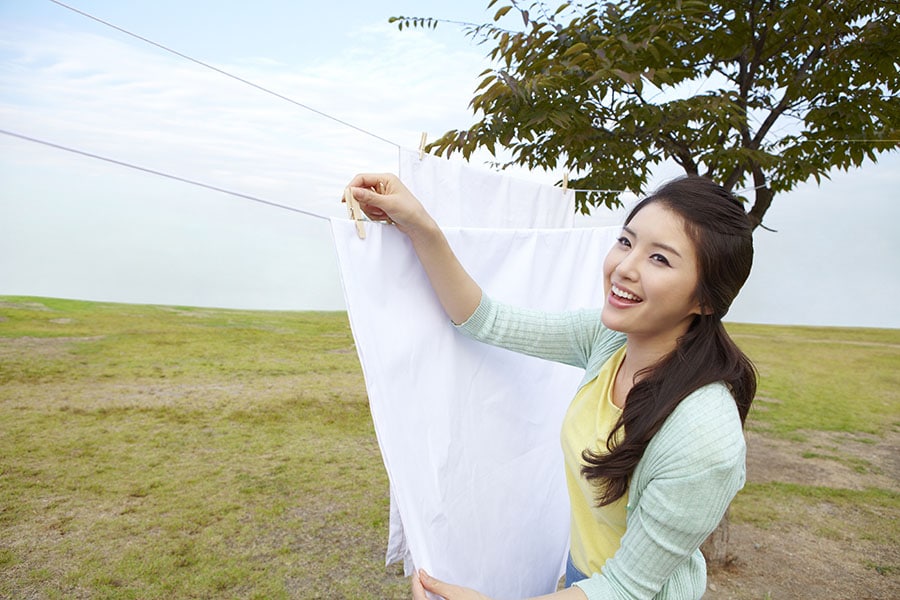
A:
(787, 97)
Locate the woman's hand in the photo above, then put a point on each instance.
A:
(383, 197)
(422, 582)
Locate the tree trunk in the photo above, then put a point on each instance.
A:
(763, 199)
(715, 548)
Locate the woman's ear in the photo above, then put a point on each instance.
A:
(700, 309)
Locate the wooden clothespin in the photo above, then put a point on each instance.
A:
(565, 181)
(355, 213)
(422, 145)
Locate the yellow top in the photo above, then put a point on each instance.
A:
(595, 532)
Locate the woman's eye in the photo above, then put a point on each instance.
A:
(660, 259)
(624, 241)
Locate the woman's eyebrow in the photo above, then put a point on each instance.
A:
(660, 245)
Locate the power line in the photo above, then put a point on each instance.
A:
(223, 72)
(162, 174)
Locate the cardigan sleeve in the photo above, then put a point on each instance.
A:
(689, 474)
(570, 337)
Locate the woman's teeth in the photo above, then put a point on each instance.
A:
(623, 294)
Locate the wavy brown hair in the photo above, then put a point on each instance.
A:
(715, 220)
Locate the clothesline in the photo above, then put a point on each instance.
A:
(223, 72)
(122, 163)
(159, 173)
(220, 189)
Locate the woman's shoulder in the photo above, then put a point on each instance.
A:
(712, 401)
(705, 428)
(710, 409)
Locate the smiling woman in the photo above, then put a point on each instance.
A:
(652, 442)
(651, 278)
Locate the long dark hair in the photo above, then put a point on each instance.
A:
(715, 220)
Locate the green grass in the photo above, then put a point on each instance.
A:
(846, 383)
(823, 379)
(158, 452)
(174, 452)
(778, 503)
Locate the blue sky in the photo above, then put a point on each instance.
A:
(78, 228)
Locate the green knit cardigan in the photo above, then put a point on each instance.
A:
(680, 489)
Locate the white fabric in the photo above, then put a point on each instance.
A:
(470, 433)
(458, 195)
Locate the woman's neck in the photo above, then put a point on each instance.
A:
(639, 355)
(642, 352)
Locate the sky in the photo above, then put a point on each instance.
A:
(75, 227)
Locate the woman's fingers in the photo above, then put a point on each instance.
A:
(372, 181)
(418, 592)
(445, 590)
(367, 189)
(366, 197)
(378, 207)
(383, 197)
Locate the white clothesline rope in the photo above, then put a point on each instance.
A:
(123, 163)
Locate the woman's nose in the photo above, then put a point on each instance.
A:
(627, 267)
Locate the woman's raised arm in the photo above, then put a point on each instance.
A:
(383, 197)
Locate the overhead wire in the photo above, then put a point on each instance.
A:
(162, 174)
(224, 72)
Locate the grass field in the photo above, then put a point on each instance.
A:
(170, 452)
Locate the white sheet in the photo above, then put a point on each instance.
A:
(470, 433)
(458, 195)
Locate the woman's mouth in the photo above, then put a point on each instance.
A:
(623, 295)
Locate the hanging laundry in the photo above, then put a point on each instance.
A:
(469, 433)
(458, 195)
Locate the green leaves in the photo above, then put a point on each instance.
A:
(787, 90)
(412, 22)
(499, 14)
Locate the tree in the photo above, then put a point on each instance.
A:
(758, 93)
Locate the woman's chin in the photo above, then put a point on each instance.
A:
(607, 320)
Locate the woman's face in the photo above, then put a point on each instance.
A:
(651, 277)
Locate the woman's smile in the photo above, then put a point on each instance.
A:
(651, 278)
(622, 295)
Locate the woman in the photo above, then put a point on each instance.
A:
(653, 440)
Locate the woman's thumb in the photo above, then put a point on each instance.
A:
(430, 583)
(362, 194)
